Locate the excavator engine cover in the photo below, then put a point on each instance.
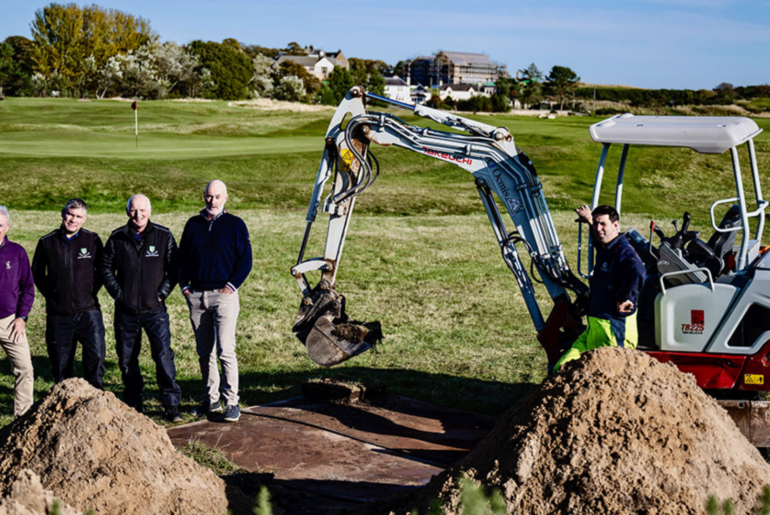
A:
(329, 335)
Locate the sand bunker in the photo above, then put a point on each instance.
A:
(94, 452)
(616, 432)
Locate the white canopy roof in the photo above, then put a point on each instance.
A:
(704, 134)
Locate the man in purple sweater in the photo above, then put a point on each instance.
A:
(17, 292)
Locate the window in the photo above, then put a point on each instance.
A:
(755, 322)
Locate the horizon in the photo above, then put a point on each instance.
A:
(704, 42)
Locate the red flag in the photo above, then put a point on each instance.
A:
(133, 106)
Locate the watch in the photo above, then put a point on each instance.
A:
(24, 318)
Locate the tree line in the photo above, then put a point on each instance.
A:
(92, 51)
(96, 52)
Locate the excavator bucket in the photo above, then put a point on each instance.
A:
(328, 333)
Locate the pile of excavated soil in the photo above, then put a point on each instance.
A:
(94, 452)
(615, 432)
(27, 496)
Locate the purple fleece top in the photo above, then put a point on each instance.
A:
(17, 290)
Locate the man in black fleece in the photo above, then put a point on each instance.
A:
(65, 269)
(139, 273)
(215, 259)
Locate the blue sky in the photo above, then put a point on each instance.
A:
(647, 43)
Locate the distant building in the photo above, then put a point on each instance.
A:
(397, 88)
(420, 94)
(453, 68)
(316, 62)
(421, 72)
(465, 68)
(457, 91)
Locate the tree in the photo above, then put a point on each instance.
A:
(531, 84)
(501, 100)
(7, 65)
(66, 36)
(265, 71)
(340, 82)
(310, 82)
(19, 82)
(295, 48)
(562, 80)
(230, 69)
(289, 88)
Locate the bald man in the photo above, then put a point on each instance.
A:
(215, 259)
(140, 265)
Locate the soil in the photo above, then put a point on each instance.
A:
(614, 432)
(94, 452)
(28, 497)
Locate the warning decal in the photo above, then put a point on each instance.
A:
(753, 379)
(346, 159)
(514, 204)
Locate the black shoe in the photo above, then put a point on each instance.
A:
(232, 413)
(174, 415)
(204, 409)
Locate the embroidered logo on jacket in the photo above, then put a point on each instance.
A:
(151, 251)
(8, 265)
(84, 254)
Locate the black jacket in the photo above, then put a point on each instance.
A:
(137, 272)
(67, 272)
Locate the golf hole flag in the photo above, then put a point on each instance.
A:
(135, 107)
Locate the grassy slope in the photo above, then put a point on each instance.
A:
(458, 332)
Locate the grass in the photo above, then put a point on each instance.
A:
(420, 256)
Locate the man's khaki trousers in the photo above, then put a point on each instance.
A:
(213, 316)
(21, 366)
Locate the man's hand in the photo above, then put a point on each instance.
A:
(584, 214)
(18, 329)
(226, 290)
(186, 292)
(625, 307)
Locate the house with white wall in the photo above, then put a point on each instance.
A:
(397, 88)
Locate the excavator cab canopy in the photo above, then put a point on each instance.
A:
(704, 134)
(707, 135)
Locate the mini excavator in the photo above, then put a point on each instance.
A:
(704, 306)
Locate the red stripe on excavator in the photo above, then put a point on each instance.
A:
(711, 371)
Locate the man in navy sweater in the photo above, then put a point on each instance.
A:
(616, 280)
(17, 292)
(214, 261)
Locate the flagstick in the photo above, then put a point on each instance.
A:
(136, 125)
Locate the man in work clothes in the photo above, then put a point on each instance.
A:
(139, 273)
(17, 292)
(215, 259)
(65, 268)
(615, 284)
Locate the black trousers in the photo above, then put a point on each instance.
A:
(61, 336)
(128, 340)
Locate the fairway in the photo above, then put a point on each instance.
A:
(420, 256)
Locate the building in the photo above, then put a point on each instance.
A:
(420, 94)
(397, 88)
(317, 62)
(453, 68)
(464, 68)
(458, 91)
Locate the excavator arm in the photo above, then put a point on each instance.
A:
(500, 170)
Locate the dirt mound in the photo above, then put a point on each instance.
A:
(615, 432)
(94, 452)
(28, 497)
